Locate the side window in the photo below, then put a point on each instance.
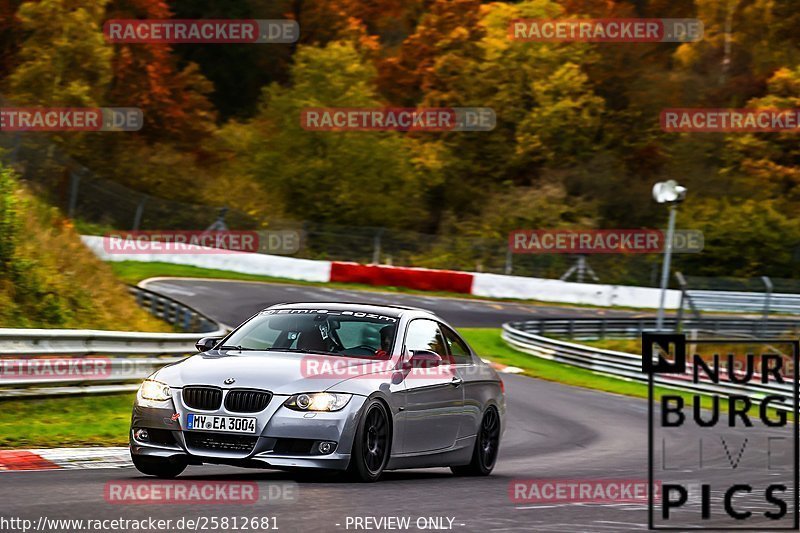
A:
(459, 352)
(425, 335)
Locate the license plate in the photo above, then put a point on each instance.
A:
(223, 424)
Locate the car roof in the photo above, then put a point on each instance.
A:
(352, 306)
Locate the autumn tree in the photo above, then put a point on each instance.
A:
(354, 178)
(768, 164)
(446, 36)
(543, 103)
(10, 34)
(64, 60)
(173, 99)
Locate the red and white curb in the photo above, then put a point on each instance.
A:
(64, 458)
(423, 279)
(504, 369)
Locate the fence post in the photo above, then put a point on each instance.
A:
(767, 298)
(682, 285)
(15, 151)
(509, 262)
(75, 180)
(376, 247)
(137, 218)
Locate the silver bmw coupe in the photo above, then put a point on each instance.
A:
(350, 387)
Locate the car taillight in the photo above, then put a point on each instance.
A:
(502, 387)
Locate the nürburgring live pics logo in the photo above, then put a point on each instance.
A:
(728, 461)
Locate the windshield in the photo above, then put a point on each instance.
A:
(346, 333)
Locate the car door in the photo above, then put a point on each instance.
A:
(434, 398)
(474, 388)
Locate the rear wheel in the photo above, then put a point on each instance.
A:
(370, 453)
(487, 443)
(159, 466)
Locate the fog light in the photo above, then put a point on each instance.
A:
(141, 435)
(325, 447)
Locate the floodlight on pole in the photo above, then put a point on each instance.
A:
(670, 193)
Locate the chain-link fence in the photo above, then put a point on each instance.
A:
(99, 205)
(758, 284)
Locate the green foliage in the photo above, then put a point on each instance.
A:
(767, 163)
(64, 61)
(49, 279)
(360, 178)
(544, 105)
(742, 239)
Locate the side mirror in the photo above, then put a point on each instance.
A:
(424, 359)
(206, 343)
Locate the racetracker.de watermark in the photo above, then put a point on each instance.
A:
(621, 30)
(55, 368)
(603, 241)
(282, 242)
(201, 31)
(199, 492)
(398, 119)
(71, 119)
(730, 120)
(325, 367)
(579, 491)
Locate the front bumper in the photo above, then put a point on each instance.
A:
(284, 438)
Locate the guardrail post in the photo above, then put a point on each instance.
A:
(571, 329)
(602, 328)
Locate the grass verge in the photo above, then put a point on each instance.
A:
(487, 342)
(95, 420)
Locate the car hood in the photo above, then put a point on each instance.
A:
(279, 372)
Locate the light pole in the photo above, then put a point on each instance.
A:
(670, 193)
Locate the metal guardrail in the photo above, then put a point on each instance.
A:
(43, 362)
(528, 337)
(750, 302)
(47, 362)
(737, 301)
(172, 311)
(630, 328)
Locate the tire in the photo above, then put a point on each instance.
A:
(487, 443)
(371, 445)
(158, 466)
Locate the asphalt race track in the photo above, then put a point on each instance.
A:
(552, 431)
(232, 302)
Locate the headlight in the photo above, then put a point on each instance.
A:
(154, 390)
(318, 401)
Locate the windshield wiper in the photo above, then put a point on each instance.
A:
(299, 350)
(238, 348)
